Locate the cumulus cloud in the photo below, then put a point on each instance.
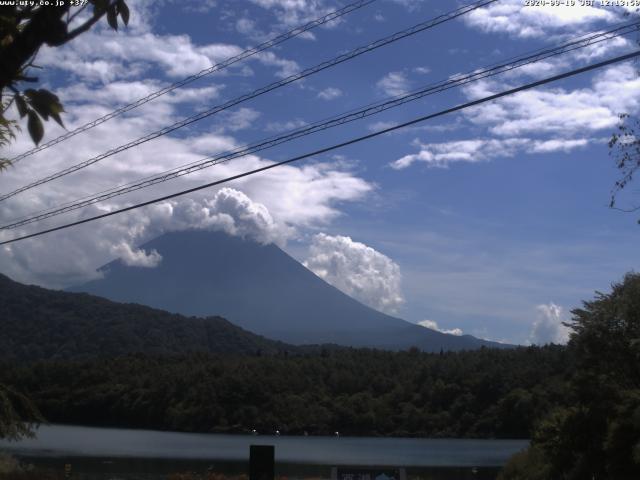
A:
(230, 211)
(511, 17)
(433, 325)
(136, 257)
(227, 210)
(358, 270)
(548, 327)
(394, 84)
(105, 56)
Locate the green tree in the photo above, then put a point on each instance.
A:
(597, 434)
(24, 29)
(18, 415)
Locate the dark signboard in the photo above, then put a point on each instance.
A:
(261, 462)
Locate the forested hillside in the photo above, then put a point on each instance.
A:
(40, 324)
(483, 393)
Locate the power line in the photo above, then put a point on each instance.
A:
(207, 71)
(357, 114)
(336, 146)
(261, 91)
(353, 115)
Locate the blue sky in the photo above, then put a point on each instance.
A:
(492, 221)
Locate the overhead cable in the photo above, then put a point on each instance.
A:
(372, 109)
(261, 91)
(207, 71)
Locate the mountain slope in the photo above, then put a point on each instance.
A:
(262, 289)
(41, 324)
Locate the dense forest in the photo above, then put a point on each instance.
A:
(579, 404)
(484, 393)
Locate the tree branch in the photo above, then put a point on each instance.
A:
(84, 27)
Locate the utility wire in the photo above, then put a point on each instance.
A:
(207, 71)
(231, 103)
(372, 109)
(336, 146)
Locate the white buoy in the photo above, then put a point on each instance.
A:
(277, 433)
(337, 434)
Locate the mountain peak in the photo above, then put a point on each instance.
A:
(262, 289)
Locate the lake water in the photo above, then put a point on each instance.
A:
(311, 456)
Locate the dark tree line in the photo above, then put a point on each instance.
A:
(483, 393)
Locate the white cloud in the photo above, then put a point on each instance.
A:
(135, 257)
(518, 20)
(560, 120)
(556, 110)
(246, 26)
(287, 67)
(102, 55)
(134, 62)
(105, 56)
(279, 127)
(292, 197)
(434, 326)
(295, 12)
(230, 211)
(381, 125)
(80, 251)
(422, 70)
(199, 6)
(441, 155)
(330, 93)
(358, 270)
(410, 5)
(239, 119)
(394, 84)
(555, 145)
(548, 327)
(119, 93)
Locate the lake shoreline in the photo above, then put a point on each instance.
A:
(57, 441)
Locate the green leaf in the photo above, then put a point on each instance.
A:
(56, 117)
(46, 104)
(21, 104)
(123, 10)
(36, 130)
(112, 17)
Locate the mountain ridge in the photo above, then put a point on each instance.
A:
(42, 324)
